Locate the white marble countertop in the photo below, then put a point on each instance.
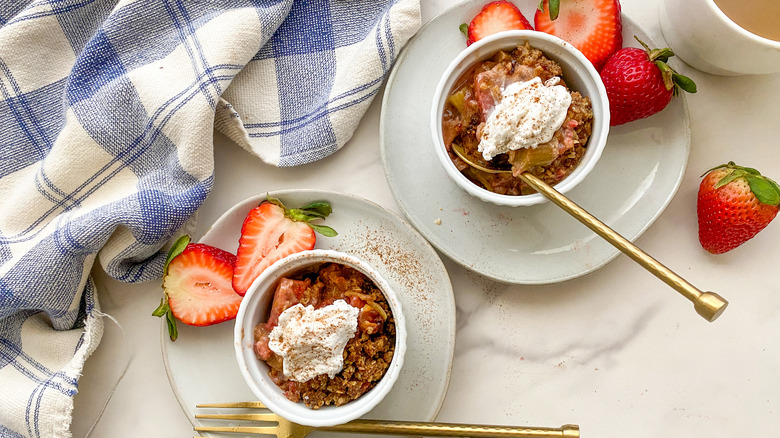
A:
(617, 352)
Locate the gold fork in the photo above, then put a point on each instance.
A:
(287, 429)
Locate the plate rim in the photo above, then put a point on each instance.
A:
(448, 292)
(451, 254)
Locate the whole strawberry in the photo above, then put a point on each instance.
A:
(734, 204)
(640, 83)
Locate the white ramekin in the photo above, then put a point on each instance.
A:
(254, 310)
(579, 74)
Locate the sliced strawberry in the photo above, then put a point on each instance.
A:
(592, 26)
(271, 232)
(496, 17)
(198, 286)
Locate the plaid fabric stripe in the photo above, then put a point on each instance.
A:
(352, 44)
(106, 116)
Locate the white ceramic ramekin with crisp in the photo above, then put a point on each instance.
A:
(704, 37)
(255, 309)
(579, 74)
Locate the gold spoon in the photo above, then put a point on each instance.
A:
(707, 304)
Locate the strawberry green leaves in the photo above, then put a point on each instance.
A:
(684, 82)
(176, 249)
(734, 204)
(765, 189)
(555, 8)
(308, 213)
(672, 79)
(165, 310)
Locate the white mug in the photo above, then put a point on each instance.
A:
(705, 38)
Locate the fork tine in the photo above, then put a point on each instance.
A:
(250, 404)
(239, 429)
(252, 417)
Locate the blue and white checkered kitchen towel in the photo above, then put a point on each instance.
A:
(107, 110)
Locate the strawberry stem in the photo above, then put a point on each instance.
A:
(672, 80)
(729, 164)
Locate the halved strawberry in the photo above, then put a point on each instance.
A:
(495, 17)
(270, 232)
(197, 285)
(592, 26)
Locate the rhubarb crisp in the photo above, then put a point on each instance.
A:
(340, 310)
(476, 112)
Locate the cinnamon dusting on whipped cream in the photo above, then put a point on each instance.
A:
(528, 115)
(311, 341)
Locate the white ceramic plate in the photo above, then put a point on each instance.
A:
(201, 364)
(635, 179)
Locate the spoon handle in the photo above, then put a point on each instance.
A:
(707, 304)
(453, 430)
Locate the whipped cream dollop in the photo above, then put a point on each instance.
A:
(528, 115)
(311, 341)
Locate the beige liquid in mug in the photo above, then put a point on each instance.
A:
(761, 17)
